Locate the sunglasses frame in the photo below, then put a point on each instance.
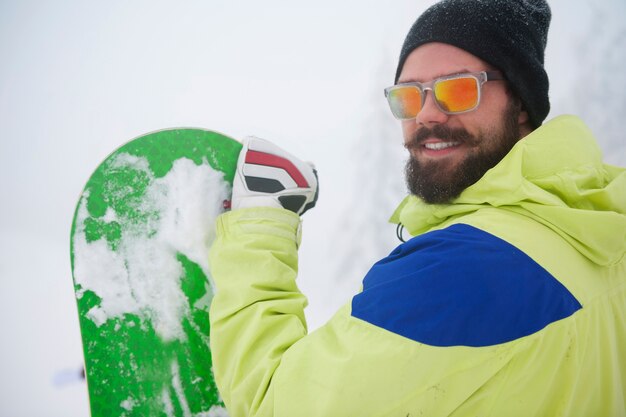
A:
(480, 77)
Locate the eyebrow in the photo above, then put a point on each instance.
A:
(415, 80)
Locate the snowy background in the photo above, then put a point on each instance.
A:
(79, 78)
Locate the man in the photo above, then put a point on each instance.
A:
(511, 298)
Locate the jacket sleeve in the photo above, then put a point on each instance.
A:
(265, 364)
(257, 312)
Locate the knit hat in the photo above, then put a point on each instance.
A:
(511, 35)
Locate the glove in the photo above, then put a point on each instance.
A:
(267, 176)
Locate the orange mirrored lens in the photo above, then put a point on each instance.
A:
(458, 94)
(405, 102)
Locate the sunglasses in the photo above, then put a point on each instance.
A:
(453, 94)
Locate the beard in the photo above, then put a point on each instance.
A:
(436, 182)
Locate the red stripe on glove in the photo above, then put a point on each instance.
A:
(262, 158)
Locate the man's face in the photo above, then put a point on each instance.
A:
(448, 153)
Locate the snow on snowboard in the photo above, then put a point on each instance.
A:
(139, 251)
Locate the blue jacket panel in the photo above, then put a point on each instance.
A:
(461, 286)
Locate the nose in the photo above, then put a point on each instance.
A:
(431, 113)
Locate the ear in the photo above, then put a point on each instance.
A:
(523, 118)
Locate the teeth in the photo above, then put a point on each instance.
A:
(437, 146)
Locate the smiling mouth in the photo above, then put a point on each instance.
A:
(438, 146)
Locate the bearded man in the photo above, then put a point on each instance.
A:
(510, 299)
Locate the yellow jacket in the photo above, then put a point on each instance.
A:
(509, 302)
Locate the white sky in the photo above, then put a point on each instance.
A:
(79, 78)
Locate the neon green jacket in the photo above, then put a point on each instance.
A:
(509, 302)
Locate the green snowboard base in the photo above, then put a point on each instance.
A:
(139, 251)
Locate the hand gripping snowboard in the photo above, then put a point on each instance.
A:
(139, 250)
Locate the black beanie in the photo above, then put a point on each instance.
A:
(511, 35)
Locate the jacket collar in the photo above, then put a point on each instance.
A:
(556, 175)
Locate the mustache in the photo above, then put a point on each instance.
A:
(442, 132)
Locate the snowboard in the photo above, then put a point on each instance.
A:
(139, 254)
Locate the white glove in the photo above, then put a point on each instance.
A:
(267, 176)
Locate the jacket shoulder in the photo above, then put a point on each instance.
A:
(461, 286)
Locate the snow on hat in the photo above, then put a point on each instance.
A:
(511, 35)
